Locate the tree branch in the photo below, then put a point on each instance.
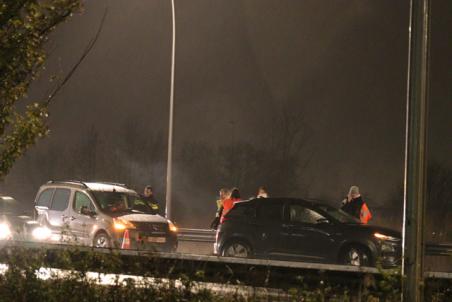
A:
(87, 50)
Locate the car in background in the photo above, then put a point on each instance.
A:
(301, 230)
(16, 220)
(105, 215)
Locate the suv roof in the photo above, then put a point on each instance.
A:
(93, 186)
(305, 202)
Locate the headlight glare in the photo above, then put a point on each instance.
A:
(41, 233)
(5, 231)
(384, 237)
(172, 226)
(120, 224)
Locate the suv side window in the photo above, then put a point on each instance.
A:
(45, 198)
(82, 200)
(300, 214)
(270, 213)
(242, 211)
(60, 199)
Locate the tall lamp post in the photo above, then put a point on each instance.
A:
(415, 151)
(169, 166)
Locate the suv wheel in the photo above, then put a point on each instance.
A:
(236, 249)
(356, 256)
(102, 240)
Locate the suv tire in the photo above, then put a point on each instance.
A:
(356, 256)
(236, 248)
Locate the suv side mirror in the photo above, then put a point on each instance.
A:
(85, 211)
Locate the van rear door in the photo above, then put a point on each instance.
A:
(58, 218)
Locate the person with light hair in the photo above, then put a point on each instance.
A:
(262, 192)
(355, 205)
(223, 195)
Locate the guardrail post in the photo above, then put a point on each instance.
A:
(415, 152)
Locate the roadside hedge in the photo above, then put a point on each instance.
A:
(23, 278)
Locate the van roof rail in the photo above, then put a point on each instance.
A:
(75, 182)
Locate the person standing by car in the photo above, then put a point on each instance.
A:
(148, 197)
(229, 202)
(223, 195)
(262, 192)
(355, 206)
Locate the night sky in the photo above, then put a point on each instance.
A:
(340, 64)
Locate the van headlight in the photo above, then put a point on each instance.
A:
(120, 224)
(5, 231)
(172, 227)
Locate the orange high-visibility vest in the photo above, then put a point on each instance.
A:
(227, 206)
(365, 214)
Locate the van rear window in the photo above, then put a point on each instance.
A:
(45, 198)
(60, 199)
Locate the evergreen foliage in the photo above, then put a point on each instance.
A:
(25, 26)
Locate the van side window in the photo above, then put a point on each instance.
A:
(45, 198)
(60, 199)
(82, 200)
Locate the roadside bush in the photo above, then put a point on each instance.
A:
(24, 276)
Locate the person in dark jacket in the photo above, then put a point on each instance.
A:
(148, 197)
(355, 206)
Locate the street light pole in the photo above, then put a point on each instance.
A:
(415, 152)
(169, 166)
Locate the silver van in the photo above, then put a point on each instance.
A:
(106, 215)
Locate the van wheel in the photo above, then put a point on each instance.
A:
(236, 249)
(102, 240)
(356, 256)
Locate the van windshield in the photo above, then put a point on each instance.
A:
(120, 202)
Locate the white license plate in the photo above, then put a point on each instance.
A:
(157, 239)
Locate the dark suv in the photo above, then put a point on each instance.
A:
(295, 229)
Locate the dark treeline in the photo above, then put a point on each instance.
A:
(137, 158)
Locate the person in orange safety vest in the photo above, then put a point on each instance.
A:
(229, 202)
(355, 206)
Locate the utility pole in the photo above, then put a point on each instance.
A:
(169, 164)
(415, 152)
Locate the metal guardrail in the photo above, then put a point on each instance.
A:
(198, 235)
(441, 249)
(206, 235)
(199, 258)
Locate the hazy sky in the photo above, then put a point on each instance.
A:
(342, 63)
